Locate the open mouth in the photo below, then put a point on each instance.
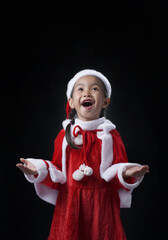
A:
(87, 104)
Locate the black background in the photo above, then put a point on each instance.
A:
(40, 52)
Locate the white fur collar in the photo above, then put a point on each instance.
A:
(99, 123)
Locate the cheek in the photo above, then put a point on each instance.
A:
(76, 100)
(99, 99)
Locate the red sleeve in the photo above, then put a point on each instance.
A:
(119, 155)
(119, 152)
(56, 159)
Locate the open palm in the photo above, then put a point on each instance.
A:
(27, 167)
(136, 171)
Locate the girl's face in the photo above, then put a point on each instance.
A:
(88, 98)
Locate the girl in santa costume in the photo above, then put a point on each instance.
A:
(89, 178)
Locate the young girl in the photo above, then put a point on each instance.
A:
(89, 177)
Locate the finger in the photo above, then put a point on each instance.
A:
(23, 160)
(142, 171)
(21, 167)
(19, 164)
(145, 168)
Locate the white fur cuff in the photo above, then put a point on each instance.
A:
(111, 172)
(41, 169)
(121, 169)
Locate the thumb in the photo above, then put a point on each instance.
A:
(23, 160)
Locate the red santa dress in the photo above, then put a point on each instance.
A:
(87, 204)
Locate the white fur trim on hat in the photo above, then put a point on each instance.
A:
(87, 72)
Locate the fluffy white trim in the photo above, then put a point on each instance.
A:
(121, 169)
(45, 193)
(64, 146)
(118, 169)
(85, 125)
(105, 136)
(111, 172)
(107, 170)
(107, 145)
(55, 174)
(41, 169)
(87, 72)
(125, 198)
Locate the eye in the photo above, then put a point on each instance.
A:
(95, 89)
(80, 89)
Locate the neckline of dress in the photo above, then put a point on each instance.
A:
(85, 125)
(89, 125)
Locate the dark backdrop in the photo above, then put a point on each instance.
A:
(39, 57)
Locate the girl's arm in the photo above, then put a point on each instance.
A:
(45, 171)
(128, 175)
(46, 175)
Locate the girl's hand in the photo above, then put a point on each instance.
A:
(136, 171)
(28, 168)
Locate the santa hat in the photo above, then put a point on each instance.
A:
(83, 73)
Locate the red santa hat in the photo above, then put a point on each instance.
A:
(83, 73)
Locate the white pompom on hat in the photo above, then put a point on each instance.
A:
(87, 72)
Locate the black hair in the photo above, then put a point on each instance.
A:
(68, 130)
(72, 118)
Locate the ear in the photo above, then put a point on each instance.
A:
(71, 103)
(106, 102)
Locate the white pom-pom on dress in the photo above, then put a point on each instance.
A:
(78, 175)
(82, 167)
(88, 171)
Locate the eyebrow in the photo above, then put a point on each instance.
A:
(82, 84)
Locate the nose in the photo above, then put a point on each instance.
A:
(87, 93)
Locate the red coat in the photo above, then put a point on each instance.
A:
(88, 209)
